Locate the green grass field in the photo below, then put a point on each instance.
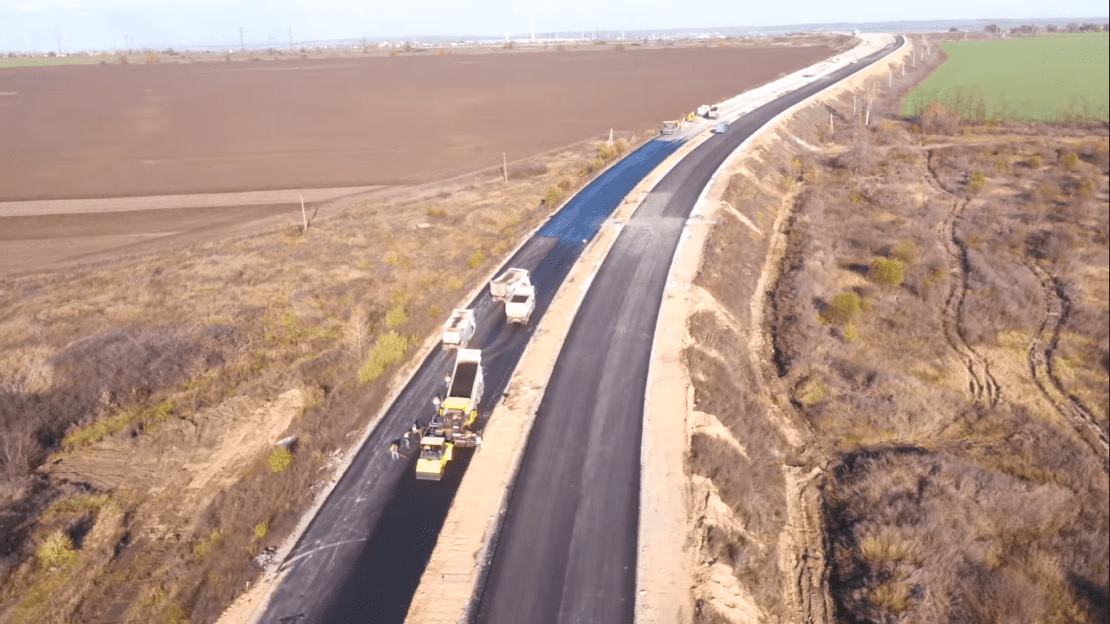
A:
(1047, 78)
(37, 61)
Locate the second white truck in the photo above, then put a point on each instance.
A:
(521, 304)
(503, 286)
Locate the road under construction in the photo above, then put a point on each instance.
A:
(567, 547)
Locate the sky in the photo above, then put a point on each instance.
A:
(71, 25)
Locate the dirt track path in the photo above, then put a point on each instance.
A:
(982, 386)
(1040, 353)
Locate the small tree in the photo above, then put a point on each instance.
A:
(871, 92)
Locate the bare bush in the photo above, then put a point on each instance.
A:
(936, 119)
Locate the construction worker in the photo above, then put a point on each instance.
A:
(393, 450)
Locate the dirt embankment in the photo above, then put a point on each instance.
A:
(910, 422)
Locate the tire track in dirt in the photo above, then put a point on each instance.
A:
(1040, 352)
(806, 542)
(981, 384)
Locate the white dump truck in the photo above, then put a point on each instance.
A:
(714, 112)
(503, 286)
(703, 110)
(670, 127)
(459, 329)
(521, 304)
(455, 415)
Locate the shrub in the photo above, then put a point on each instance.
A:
(396, 316)
(1035, 161)
(388, 349)
(56, 550)
(907, 252)
(887, 271)
(434, 311)
(476, 258)
(280, 459)
(552, 196)
(937, 120)
(432, 211)
(206, 545)
(850, 333)
(1070, 159)
(843, 308)
(812, 392)
(260, 530)
(454, 283)
(978, 180)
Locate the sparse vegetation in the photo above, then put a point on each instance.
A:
(476, 259)
(966, 477)
(56, 550)
(151, 357)
(388, 349)
(553, 196)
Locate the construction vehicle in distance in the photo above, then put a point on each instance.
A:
(713, 113)
(703, 110)
(670, 127)
(503, 286)
(455, 415)
(519, 307)
(692, 116)
(459, 329)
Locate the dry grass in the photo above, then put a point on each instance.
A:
(924, 259)
(143, 345)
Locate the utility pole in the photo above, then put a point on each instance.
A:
(290, 38)
(241, 38)
(506, 31)
(533, 23)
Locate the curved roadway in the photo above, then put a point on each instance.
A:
(567, 548)
(361, 558)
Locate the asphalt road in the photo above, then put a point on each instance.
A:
(566, 552)
(361, 558)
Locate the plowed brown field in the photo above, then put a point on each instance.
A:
(126, 130)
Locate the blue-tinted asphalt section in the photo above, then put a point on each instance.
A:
(361, 558)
